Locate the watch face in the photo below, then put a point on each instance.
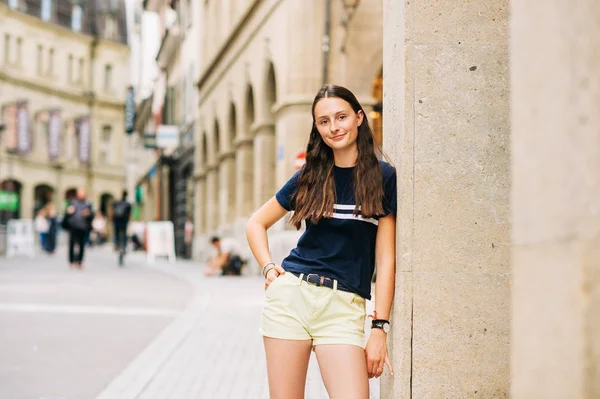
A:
(386, 328)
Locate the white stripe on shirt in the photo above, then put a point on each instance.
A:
(349, 216)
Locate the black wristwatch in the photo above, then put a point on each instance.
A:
(381, 324)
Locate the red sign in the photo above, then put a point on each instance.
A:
(300, 160)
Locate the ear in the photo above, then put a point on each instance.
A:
(360, 115)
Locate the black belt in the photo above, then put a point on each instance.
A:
(321, 281)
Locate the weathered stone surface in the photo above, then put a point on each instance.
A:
(446, 126)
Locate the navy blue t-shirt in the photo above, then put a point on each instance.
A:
(341, 247)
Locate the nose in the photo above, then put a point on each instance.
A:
(333, 126)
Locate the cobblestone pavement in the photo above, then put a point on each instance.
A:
(212, 350)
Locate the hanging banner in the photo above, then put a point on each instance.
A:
(23, 128)
(84, 136)
(54, 133)
(130, 111)
(9, 117)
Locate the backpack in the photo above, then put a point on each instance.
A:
(120, 210)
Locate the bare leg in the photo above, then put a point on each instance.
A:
(344, 371)
(287, 364)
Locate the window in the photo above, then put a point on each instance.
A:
(50, 70)
(80, 74)
(19, 50)
(104, 155)
(46, 13)
(111, 29)
(107, 77)
(13, 4)
(76, 17)
(6, 48)
(70, 69)
(40, 59)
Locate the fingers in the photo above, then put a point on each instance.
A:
(375, 367)
(389, 364)
(279, 269)
(272, 275)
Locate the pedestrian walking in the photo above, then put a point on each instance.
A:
(121, 213)
(78, 221)
(316, 298)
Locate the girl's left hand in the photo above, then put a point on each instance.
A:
(377, 354)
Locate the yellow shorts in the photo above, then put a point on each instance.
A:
(297, 310)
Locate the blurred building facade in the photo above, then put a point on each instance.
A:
(166, 116)
(63, 80)
(263, 62)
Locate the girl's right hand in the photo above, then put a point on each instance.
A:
(273, 274)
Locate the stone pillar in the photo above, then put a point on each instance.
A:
(212, 193)
(244, 178)
(555, 93)
(264, 163)
(26, 199)
(200, 202)
(446, 129)
(226, 189)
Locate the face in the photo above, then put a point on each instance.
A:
(337, 123)
(80, 194)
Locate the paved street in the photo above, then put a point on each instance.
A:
(142, 332)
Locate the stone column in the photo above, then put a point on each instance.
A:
(555, 93)
(26, 200)
(264, 163)
(244, 178)
(227, 189)
(446, 129)
(212, 193)
(200, 201)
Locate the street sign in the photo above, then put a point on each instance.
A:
(167, 136)
(150, 141)
(9, 201)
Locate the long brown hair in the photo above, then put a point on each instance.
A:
(315, 195)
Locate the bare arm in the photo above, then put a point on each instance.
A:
(385, 258)
(256, 230)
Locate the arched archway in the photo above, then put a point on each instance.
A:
(70, 193)
(264, 142)
(10, 200)
(270, 89)
(106, 200)
(230, 165)
(42, 194)
(247, 170)
(217, 140)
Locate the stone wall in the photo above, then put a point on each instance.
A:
(446, 128)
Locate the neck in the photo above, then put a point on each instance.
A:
(345, 158)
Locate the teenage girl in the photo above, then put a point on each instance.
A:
(316, 298)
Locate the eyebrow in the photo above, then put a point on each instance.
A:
(337, 113)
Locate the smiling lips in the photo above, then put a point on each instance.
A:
(338, 137)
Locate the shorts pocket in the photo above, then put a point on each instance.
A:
(273, 283)
(353, 299)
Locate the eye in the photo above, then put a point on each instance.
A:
(323, 122)
(342, 117)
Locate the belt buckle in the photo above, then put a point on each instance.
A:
(318, 283)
